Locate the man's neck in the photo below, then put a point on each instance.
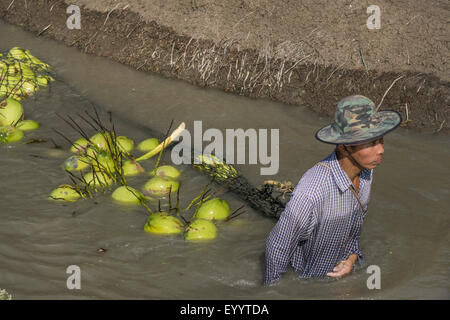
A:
(352, 170)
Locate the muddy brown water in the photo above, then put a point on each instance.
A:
(405, 232)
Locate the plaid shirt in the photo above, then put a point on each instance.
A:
(321, 224)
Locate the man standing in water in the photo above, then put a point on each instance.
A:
(318, 233)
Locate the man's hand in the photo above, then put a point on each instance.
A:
(344, 267)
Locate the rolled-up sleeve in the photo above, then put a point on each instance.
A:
(353, 247)
(296, 224)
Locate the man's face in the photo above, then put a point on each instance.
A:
(369, 154)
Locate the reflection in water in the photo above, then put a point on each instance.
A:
(405, 231)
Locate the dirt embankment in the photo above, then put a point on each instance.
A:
(310, 52)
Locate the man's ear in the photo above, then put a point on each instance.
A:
(340, 148)
(348, 149)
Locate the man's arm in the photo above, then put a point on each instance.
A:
(296, 223)
(351, 254)
(354, 248)
(344, 267)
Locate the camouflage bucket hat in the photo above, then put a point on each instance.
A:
(356, 121)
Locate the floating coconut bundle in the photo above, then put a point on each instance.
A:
(108, 160)
(202, 225)
(21, 75)
(104, 159)
(110, 156)
(270, 200)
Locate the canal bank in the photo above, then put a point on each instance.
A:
(400, 67)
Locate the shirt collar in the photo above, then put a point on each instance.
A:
(341, 178)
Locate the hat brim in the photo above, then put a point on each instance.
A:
(389, 120)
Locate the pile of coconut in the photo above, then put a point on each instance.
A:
(104, 160)
(21, 76)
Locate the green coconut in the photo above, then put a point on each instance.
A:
(9, 91)
(163, 223)
(216, 209)
(21, 69)
(28, 88)
(76, 163)
(200, 229)
(27, 125)
(124, 144)
(16, 96)
(43, 81)
(79, 146)
(13, 70)
(12, 75)
(97, 179)
(10, 112)
(27, 73)
(148, 144)
(3, 89)
(18, 92)
(103, 162)
(167, 171)
(159, 186)
(17, 53)
(10, 134)
(92, 151)
(64, 192)
(36, 61)
(127, 194)
(101, 140)
(13, 78)
(131, 168)
(14, 90)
